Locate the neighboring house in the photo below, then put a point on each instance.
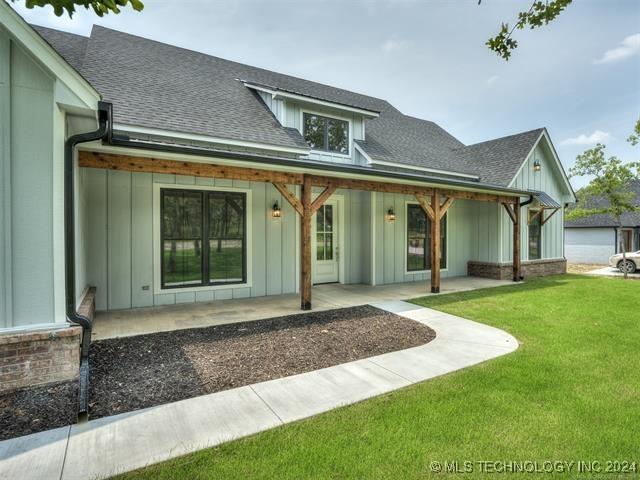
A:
(201, 179)
(595, 238)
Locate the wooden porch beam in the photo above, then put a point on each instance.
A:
(425, 206)
(435, 242)
(545, 220)
(200, 169)
(197, 169)
(290, 197)
(305, 250)
(516, 242)
(386, 187)
(323, 197)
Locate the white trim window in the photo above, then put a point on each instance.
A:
(418, 230)
(202, 238)
(326, 134)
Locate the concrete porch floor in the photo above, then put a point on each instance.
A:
(139, 321)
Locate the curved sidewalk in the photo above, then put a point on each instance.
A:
(104, 447)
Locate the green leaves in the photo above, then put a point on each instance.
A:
(100, 7)
(609, 191)
(539, 14)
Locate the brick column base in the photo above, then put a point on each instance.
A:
(39, 357)
(504, 271)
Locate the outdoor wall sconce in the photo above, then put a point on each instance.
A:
(391, 216)
(536, 166)
(275, 210)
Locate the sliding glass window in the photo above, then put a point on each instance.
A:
(203, 238)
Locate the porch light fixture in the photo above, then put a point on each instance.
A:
(536, 166)
(275, 210)
(391, 216)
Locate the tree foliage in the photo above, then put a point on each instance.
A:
(539, 14)
(100, 7)
(609, 191)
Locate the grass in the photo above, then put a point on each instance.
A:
(571, 392)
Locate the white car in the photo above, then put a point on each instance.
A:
(632, 264)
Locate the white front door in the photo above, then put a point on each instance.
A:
(325, 243)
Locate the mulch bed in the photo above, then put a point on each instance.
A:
(146, 370)
(35, 409)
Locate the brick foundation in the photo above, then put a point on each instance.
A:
(504, 271)
(36, 358)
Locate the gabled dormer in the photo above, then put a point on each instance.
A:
(330, 129)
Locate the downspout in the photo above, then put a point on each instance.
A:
(104, 119)
(527, 202)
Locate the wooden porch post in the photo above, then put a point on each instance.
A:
(516, 241)
(305, 250)
(435, 242)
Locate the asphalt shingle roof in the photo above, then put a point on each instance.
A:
(155, 85)
(631, 219)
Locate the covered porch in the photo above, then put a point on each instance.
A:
(123, 232)
(140, 321)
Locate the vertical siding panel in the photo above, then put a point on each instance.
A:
(288, 246)
(97, 235)
(380, 238)
(119, 239)
(388, 259)
(273, 242)
(398, 238)
(141, 239)
(258, 220)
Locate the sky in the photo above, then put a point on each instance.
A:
(578, 76)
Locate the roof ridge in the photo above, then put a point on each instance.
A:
(79, 35)
(539, 129)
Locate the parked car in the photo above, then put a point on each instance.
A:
(632, 263)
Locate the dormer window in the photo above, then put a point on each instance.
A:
(326, 134)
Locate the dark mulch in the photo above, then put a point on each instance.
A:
(35, 409)
(146, 370)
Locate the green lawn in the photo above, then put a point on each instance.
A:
(571, 392)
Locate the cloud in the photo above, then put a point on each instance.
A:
(628, 47)
(493, 79)
(393, 45)
(598, 136)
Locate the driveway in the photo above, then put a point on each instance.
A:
(612, 272)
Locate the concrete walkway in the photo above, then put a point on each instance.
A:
(104, 447)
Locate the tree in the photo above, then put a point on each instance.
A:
(539, 14)
(609, 191)
(100, 7)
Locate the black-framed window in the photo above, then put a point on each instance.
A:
(203, 238)
(419, 240)
(325, 133)
(535, 235)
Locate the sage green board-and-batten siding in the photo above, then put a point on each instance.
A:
(120, 239)
(26, 188)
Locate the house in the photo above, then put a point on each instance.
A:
(136, 173)
(595, 238)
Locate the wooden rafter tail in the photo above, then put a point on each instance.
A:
(545, 220)
(425, 206)
(290, 197)
(323, 197)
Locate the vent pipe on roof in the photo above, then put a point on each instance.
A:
(104, 121)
